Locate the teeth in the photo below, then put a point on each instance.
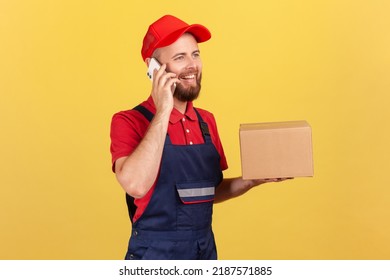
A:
(189, 76)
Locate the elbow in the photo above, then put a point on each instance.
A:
(132, 187)
(135, 192)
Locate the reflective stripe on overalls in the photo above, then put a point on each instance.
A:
(176, 223)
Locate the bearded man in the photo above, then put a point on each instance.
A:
(167, 154)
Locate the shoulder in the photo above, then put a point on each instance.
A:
(207, 116)
(129, 121)
(129, 116)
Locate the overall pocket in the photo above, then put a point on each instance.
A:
(196, 209)
(196, 192)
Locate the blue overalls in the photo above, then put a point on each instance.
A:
(176, 223)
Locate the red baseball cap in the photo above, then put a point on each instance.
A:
(167, 30)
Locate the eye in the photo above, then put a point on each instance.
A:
(196, 54)
(178, 58)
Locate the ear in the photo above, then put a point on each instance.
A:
(147, 61)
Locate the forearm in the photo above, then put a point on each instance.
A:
(137, 173)
(232, 187)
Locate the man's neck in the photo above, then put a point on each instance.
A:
(180, 106)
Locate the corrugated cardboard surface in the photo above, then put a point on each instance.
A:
(276, 150)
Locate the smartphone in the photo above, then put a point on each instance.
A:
(153, 64)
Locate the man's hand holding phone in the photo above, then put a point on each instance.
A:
(153, 64)
(163, 85)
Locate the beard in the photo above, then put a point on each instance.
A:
(188, 94)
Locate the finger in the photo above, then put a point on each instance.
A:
(165, 78)
(158, 73)
(172, 82)
(272, 180)
(285, 178)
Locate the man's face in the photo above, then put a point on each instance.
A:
(183, 58)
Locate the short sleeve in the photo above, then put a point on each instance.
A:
(127, 130)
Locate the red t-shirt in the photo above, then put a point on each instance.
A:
(129, 127)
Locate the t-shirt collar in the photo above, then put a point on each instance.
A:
(176, 115)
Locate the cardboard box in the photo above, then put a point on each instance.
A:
(276, 150)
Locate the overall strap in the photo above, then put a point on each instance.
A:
(147, 114)
(204, 128)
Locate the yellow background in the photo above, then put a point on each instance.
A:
(67, 66)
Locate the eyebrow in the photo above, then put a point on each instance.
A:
(183, 53)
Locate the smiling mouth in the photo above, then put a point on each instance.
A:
(187, 76)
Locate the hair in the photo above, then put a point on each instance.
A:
(156, 53)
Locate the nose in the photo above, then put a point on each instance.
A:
(191, 63)
(194, 60)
